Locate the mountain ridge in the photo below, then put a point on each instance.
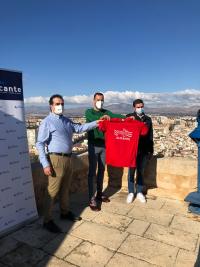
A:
(121, 108)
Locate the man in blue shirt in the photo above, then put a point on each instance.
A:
(55, 138)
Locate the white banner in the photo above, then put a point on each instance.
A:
(17, 200)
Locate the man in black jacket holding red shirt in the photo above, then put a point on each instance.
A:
(145, 150)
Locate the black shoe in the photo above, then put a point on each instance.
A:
(93, 205)
(103, 198)
(70, 216)
(52, 227)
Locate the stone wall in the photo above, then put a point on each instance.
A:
(171, 177)
(167, 177)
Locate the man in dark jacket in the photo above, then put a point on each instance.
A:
(145, 150)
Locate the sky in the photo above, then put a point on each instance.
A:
(123, 48)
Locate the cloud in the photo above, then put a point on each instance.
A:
(36, 100)
(78, 99)
(187, 97)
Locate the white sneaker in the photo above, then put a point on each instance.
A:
(141, 197)
(130, 198)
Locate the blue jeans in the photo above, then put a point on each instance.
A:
(96, 157)
(140, 166)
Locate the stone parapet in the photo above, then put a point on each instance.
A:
(167, 177)
(171, 177)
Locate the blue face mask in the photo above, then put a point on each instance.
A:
(139, 111)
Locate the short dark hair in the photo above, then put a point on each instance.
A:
(137, 101)
(54, 96)
(98, 93)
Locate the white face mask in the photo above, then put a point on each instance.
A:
(139, 111)
(58, 110)
(99, 104)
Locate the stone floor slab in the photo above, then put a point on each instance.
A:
(158, 233)
(24, 256)
(8, 244)
(127, 261)
(151, 215)
(85, 212)
(112, 220)
(186, 259)
(89, 255)
(138, 227)
(51, 261)
(33, 235)
(88, 214)
(78, 206)
(100, 235)
(62, 245)
(186, 224)
(116, 207)
(119, 198)
(151, 203)
(171, 236)
(149, 250)
(176, 207)
(68, 226)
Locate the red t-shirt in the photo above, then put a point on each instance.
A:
(121, 140)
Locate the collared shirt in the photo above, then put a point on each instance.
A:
(55, 133)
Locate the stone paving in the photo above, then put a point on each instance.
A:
(158, 233)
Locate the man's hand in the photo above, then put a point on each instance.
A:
(98, 121)
(48, 171)
(132, 117)
(105, 117)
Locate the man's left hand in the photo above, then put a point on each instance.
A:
(105, 117)
(132, 117)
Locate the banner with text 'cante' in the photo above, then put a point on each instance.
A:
(17, 200)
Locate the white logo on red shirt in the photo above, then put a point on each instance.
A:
(123, 134)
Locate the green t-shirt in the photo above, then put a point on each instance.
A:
(95, 136)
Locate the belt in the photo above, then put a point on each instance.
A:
(60, 154)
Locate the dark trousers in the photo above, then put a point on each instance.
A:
(140, 166)
(96, 157)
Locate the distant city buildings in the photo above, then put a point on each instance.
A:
(170, 136)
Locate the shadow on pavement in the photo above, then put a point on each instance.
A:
(32, 245)
(197, 263)
(115, 175)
